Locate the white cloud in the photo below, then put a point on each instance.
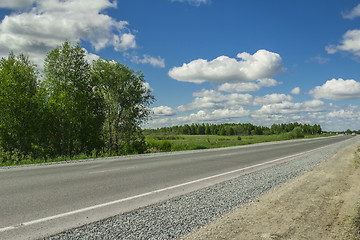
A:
(216, 115)
(163, 111)
(338, 89)
(248, 86)
(16, 4)
(320, 59)
(211, 99)
(291, 107)
(272, 98)
(343, 114)
(124, 42)
(350, 43)
(193, 2)
(155, 62)
(146, 85)
(354, 13)
(262, 64)
(51, 22)
(296, 91)
(90, 57)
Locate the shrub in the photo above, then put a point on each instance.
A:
(296, 133)
(165, 146)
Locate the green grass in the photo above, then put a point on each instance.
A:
(193, 142)
(165, 143)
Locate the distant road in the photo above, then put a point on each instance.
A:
(40, 200)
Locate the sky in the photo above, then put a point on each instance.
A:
(212, 61)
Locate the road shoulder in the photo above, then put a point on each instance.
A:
(316, 205)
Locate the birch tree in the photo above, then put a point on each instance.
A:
(126, 100)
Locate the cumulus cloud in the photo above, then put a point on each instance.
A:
(211, 99)
(343, 114)
(90, 57)
(193, 2)
(262, 64)
(248, 86)
(354, 13)
(338, 89)
(291, 107)
(213, 116)
(146, 59)
(350, 43)
(51, 22)
(272, 98)
(16, 4)
(296, 91)
(163, 111)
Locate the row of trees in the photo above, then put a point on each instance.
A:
(235, 129)
(73, 107)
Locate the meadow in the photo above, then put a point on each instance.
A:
(167, 143)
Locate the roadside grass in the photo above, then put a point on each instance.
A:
(160, 143)
(355, 225)
(14, 159)
(167, 143)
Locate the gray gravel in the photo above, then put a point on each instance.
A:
(178, 216)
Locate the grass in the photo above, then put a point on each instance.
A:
(25, 160)
(355, 224)
(167, 143)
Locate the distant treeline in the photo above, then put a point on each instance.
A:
(230, 129)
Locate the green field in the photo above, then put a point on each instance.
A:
(161, 143)
(168, 143)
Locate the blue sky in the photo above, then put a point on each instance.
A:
(216, 61)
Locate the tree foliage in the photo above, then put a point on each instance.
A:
(73, 108)
(19, 104)
(126, 102)
(238, 129)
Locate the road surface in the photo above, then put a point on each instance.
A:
(37, 201)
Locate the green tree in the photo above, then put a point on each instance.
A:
(74, 106)
(126, 105)
(19, 105)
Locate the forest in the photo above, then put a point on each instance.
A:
(231, 129)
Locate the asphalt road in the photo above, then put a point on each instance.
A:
(40, 200)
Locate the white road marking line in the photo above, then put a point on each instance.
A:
(150, 193)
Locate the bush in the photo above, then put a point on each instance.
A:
(296, 133)
(164, 146)
(13, 157)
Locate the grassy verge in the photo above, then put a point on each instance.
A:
(168, 143)
(19, 159)
(355, 225)
(164, 143)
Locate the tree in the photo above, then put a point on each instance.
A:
(126, 105)
(19, 105)
(74, 106)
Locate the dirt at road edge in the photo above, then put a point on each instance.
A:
(316, 205)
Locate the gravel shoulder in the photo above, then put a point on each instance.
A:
(316, 205)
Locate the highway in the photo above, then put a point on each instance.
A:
(36, 201)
